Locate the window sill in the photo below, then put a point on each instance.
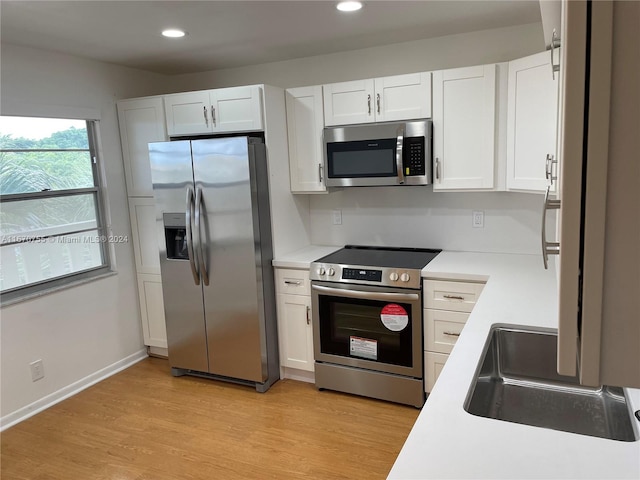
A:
(55, 289)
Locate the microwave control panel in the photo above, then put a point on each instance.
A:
(414, 163)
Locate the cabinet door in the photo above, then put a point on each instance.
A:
(349, 102)
(294, 331)
(141, 121)
(188, 113)
(154, 329)
(305, 121)
(433, 365)
(531, 121)
(464, 128)
(403, 97)
(236, 109)
(143, 229)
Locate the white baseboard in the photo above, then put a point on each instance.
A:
(299, 375)
(30, 410)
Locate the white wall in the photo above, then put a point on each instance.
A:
(407, 216)
(81, 330)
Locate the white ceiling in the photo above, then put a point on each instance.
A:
(226, 34)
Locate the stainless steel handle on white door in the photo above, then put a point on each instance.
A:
(213, 115)
(548, 248)
(453, 297)
(206, 116)
(378, 101)
(308, 317)
(437, 169)
(383, 296)
(293, 282)
(201, 247)
(548, 170)
(368, 104)
(189, 234)
(399, 145)
(320, 172)
(555, 43)
(451, 334)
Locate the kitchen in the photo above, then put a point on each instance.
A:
(511, 219)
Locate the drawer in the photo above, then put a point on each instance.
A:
(455, 296)
(294, 282)
(442, 329)
(433, 365)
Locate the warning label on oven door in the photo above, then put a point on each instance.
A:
(363, 347)
(394, 317)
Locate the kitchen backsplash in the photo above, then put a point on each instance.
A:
(418, 217)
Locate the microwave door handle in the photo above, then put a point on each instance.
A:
(399, 144)
(383, 296)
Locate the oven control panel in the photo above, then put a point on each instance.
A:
(383, 276)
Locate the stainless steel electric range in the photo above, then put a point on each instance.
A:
(367, 321)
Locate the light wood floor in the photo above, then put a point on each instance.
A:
(144, 424)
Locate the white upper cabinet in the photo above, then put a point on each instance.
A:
(400, 97)
(222, 110)
(464, 118)
(531, 122)
(305, 122)
(141, 121)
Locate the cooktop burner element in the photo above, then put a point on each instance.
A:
(370, 265)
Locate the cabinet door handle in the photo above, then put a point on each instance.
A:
(293, 282)
(437, 169)
(308, 318)
(548, 248)
(206, 116)
(451, 334)
(368, 104)
(213, 115)
(548, 171)
(453, 297)
(320, 172)
(378, 101)
(555, 43)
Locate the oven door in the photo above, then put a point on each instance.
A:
(375, 328)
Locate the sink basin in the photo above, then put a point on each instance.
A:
(516, 381)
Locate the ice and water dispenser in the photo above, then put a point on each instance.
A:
(175, 234)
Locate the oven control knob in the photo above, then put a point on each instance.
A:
(404, 277)
(331, 272)
(393, 277)
(321, 271)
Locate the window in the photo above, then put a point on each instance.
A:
(51, 218)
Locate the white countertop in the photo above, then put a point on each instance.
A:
(448, 442)
(302, 258)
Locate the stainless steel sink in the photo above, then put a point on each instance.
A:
(516, 381)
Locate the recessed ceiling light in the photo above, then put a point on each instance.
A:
(349, 6)
(173, 33)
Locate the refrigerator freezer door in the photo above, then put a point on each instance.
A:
(172, 176)
(230, 246)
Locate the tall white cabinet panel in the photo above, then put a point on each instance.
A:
(154, 329)
(188, 113)
(141, 122)
(349, 102)
(145, 239)
(531, 121)
(222, 110)
(305, 121)
(464, 101)
(403, 97)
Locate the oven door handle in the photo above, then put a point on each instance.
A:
(384, 296)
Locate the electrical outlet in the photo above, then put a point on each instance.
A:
(337, 217)
(478, 219)
(37, 370)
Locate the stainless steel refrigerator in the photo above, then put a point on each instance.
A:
(214, 228)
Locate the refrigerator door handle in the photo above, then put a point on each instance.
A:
(190, 250)
(201, 247)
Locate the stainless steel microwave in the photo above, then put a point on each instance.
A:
(394, 153)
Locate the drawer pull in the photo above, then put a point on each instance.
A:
(451, 334)
(453, 297)
(293, 282)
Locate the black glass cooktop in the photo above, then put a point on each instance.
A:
(393, 257)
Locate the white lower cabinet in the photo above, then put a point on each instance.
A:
(152, 310)
(447, 307)
(295, 331)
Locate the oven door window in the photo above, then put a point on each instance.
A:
(354, 328)
(362, 159)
